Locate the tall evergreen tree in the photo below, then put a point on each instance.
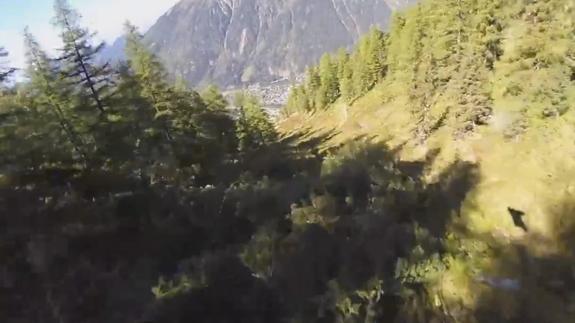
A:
(376, 56)
(148, 70)
(329, 89)
(46, 83)
(151, 79)
(342, 59)
(370, 61)
(345, 75)
(79, 57)
(298, 100)
(313, 83)
(197, 128)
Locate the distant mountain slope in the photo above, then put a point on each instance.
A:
(231, 42)
(114, 52)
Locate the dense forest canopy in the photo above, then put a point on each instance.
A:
(127, 198)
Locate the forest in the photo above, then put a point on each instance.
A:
(424, 176)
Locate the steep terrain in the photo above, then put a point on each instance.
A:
(487, 86)
(232, 42)
(425, 176)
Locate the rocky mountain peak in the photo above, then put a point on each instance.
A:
(239, 42)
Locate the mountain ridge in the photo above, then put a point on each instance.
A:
(242, 42)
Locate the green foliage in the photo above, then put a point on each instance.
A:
(423, 266)
(177, 287)
(258, 254)
(370, 55)
(45, 88)
(328, 74)
(183, 127)
(214, 99)
(344, 76)
(457, 63)
(149, 72)
(254, 130)
(298, 100)
(347, 87)
(78, 60)
(322, 211)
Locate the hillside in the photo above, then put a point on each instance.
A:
(423, 176)
(487, 86)
(233, 42)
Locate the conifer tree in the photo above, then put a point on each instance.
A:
(346, 84)
(79, 57)
(149, 71)
(329, 88)
(370, 58)
(151, 79)
(313, 83)
(197, 128)
(46, 82)
(376, 56)
(174, 107)
(298, 100)
(345, 75)
(342, 60)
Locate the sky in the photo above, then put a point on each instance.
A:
(106, 17)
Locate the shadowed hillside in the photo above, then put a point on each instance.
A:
(424, 176)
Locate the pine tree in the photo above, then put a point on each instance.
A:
(197, 127)
(344, 75)
(370, 61)
(342, 60)
(79, 57)
(45, 81)
(298, 100)
(151, 79)
(313, 83)
(346, 84)
(376, 56)
(149, 71)
(329, 89)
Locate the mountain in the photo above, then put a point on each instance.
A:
(114, 52)
(233, 42)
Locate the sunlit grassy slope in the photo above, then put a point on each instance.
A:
(524, 154)
(533, 173)
(527, 172)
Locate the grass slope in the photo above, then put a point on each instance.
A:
(523, 155)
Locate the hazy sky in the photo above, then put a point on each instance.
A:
(104, 16)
